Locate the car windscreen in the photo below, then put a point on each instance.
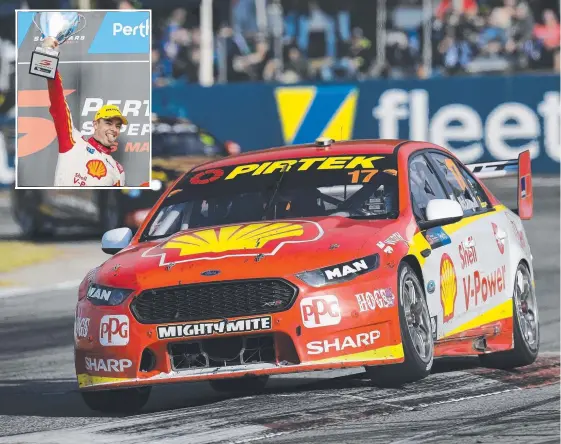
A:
(354, 186)
(184, 140)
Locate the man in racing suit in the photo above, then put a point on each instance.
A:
(84, 162)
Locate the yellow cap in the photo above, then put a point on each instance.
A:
(110, 111)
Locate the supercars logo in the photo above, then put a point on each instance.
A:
(96, 168)
(264, 238)
(448, 287)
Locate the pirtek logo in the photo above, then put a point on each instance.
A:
(209, 328)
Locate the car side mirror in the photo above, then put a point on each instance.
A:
(442, 212)
(115, 240)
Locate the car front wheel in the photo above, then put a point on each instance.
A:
(128, 400)
(416, 334)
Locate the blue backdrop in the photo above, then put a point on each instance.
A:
(480, 118)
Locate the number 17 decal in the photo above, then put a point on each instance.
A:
(368, 175)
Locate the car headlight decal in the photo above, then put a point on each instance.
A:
(343, 272)
(102, 295)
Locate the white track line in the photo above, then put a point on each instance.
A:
(12, 292)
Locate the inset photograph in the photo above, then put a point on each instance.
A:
(83, 98)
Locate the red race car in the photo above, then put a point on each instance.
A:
(382, 254)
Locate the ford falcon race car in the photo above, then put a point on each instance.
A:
(381, 254)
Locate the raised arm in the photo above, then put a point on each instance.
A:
(59, 108)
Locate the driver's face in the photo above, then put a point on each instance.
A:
(106, 131)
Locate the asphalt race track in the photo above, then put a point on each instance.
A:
(459, 402)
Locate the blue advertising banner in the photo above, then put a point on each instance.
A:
(479, 118)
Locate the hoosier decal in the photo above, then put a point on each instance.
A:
(211, 328)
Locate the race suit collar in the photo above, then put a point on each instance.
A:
(98, 146)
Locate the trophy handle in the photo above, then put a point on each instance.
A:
(83, 22)
(35, 23)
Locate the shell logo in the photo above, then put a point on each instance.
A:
(96, 168)
(448, 287)
(235, 240)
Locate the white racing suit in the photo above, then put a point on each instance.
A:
(81, 162)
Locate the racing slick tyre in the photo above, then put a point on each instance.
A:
(416, 334)
(117, 401)
(253, 384)
(525, 326)
(25, 209)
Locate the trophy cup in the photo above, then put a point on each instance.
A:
(60, 26)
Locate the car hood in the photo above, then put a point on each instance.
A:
(242, 251)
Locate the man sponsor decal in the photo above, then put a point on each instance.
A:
(320, 311)
(107, 365)
(114, 330)
(337, 344)
(500, 242)
(468, 255)
(81, 327)
(383, 298)
(249, 239)
(211, 328)
(356, 267)
(437, 237)
(98, 293)
(313, 163)
(482, 287)
(394, 239)
(448, 287)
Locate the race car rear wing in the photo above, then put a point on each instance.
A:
(521, 167)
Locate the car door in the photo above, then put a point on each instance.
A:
(480, 247)
(441, 264)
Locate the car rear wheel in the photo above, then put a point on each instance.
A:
(117, 401)
(25, 208)
(416, 334)
(252, 384)
(525, 325)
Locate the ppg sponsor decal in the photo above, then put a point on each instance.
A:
(114, 330)
(320, 311)
(211, 328)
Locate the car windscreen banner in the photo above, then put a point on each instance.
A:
(105, 63)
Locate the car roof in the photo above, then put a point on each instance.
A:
(338, 148)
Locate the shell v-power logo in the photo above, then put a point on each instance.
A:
(309, 112)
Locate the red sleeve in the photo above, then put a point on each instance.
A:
(61, 114)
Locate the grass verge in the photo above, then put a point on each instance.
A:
(14, 254)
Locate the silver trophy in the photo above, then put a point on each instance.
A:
(60, 26)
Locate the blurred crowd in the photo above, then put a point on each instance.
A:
(290, 41)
